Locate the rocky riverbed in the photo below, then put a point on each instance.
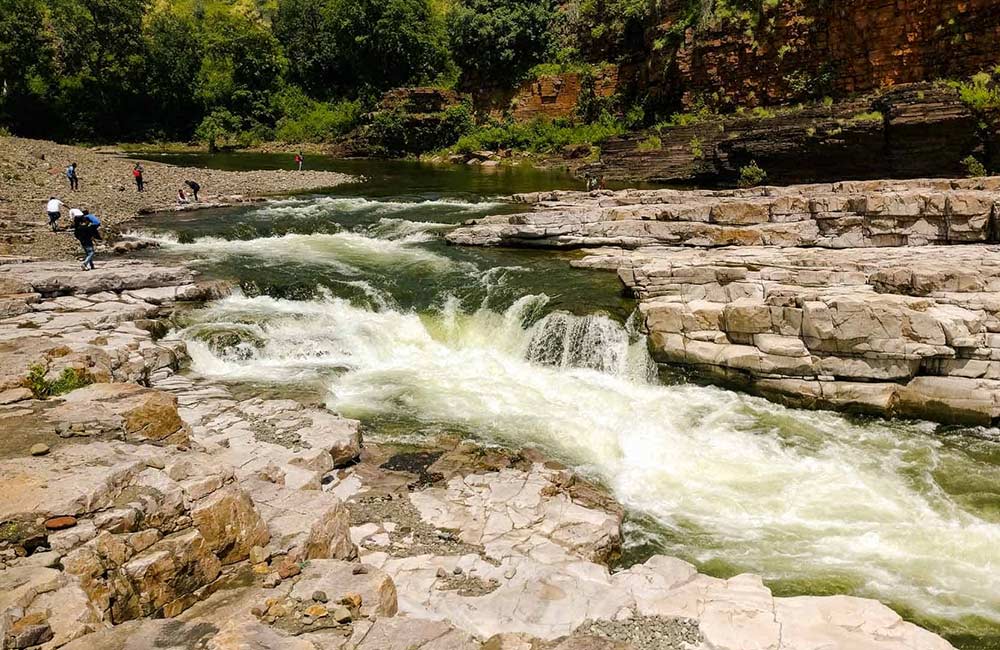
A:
(142, 507)
(878, 297)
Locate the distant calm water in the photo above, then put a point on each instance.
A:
(354, 296)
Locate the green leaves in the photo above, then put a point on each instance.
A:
(495, 41)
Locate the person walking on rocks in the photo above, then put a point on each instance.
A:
(85, 229)
(53, 208)
(299, 160)
(194, 189)
(71, 176)
(137, 174)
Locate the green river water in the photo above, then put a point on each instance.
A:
(352, 296)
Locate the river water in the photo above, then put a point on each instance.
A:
(353, 298)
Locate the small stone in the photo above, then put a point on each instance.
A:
(155, 463)
(359, 570)
(352, 601)
(60, 523)
(510, 573)
(272, 580)
(258, 555)
(319, 596)
(287, 569)
(307, 620)
(458, 571)
(316, 611)
(342, 615)
(261, 569)
(39, 449)
(257, 611)
(441, 573)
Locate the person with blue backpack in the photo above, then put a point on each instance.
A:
(85, 229)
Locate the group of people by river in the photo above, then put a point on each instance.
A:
(84, 224)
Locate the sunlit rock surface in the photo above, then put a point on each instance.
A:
(878, 297)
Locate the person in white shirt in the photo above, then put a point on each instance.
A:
(53, 208)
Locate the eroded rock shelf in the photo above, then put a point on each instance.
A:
(152, 509)
(878, 297)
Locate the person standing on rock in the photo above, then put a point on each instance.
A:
(194, 189)
(53, 208)
(299, 160)
(85, 229)
(137, 174)
(74, 180)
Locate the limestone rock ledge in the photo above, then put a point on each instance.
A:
(152, 509)
(876, 297)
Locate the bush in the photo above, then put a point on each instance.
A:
(752, 175)
(973, 168)
(319, 122)
(396, 132)
(69, 380)
(538, 136)
(652, 143)
(979, 93)
(220, 127)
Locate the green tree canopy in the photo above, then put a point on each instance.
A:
(496, 41)
(350, 47)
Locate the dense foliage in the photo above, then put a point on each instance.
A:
(235, 72)
(496, 41)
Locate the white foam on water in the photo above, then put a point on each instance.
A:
(348, 252)
(790, 494)
(329, 205)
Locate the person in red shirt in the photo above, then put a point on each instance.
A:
(137, 174)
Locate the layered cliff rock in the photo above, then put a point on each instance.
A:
(879, 297)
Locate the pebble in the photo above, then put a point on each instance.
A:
(359, 570)
(272, 580)
(60, 523)
(319, 596)
(39, 449)
(341, 614)
(155, 463)
(441, 573)
(458, 571)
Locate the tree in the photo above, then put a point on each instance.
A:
(496, 41)
(99, 58)
(173, 61)
(25, 64)
(243, 65)
(353, 47)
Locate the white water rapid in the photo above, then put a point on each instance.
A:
(813, 500)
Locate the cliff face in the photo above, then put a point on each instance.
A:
(916, 130)
(812, 48)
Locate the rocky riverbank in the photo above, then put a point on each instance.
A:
(33, 170)
(143, 507)
(876, 297)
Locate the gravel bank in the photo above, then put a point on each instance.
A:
(33, 170)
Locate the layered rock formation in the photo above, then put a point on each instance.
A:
(880, 297)
(141, 507)
(911, 131)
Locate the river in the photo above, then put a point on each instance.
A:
(353, 298)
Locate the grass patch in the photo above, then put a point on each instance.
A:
(69, 380)
(652, 143)
(873, 116)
